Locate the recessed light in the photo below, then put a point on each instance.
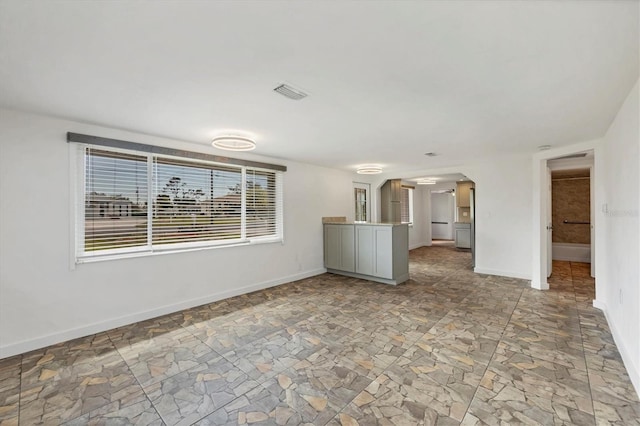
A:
(544, 147)
(369, 169)
(426, 182)
(233, 143)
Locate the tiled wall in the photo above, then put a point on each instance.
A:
(571, 201)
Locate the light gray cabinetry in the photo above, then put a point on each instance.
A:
(390, 195)
(463, 235)
(381, 251)
(364, 241)
(339, 247)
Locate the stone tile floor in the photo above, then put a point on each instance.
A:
(447, 347)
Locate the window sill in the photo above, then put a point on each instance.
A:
(131, 255)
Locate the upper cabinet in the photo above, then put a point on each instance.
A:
(390, 196)
(463, 198)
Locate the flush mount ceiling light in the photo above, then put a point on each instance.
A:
(369, 169)
(233, 143)
(426, 182)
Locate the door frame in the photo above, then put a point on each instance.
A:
(581, 164)
(540, 197)
(367, 188)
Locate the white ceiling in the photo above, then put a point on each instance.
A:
(388, 81)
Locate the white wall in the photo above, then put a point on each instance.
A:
(43, 301)
(503, 216)
(618, 265)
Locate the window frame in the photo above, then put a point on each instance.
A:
(410, 193)
(78, 153)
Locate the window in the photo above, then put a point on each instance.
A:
(406, 205)
(361, 196)
(137, 202)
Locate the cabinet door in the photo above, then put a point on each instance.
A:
(339, 247)
(364, 250)
(462, 194)
(347, 248)
(383, 253)
(463, 238)
(332, 246)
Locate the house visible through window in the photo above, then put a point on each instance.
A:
(146, 202)
(406, 205)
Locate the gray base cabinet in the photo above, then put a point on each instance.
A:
(463, 235)
(376, 252)
(339, 251)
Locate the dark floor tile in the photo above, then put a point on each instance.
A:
(446, 347)
(193, 394)
(10, 372)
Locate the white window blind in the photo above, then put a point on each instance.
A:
(137, 203)
(195, 202)
(262, 203)
(115, 201)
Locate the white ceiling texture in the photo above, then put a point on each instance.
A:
(387, 81)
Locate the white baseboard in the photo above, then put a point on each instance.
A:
(85, 330)
(502, 273)
(627, 359)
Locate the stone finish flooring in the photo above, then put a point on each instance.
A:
(448, 347)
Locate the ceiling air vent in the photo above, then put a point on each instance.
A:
(290, 92)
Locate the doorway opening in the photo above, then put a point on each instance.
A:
(446, 212)
(570, 212)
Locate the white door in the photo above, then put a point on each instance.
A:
(442, 208)
(362, 203)
(592, 240)
(549, 225)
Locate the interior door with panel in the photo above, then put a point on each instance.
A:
(442, 213)
(549, 225)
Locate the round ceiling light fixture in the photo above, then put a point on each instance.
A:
(233, 143)
(369, 169)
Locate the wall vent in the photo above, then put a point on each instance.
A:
(290, 92)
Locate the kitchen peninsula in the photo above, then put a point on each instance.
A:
(371, 251)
